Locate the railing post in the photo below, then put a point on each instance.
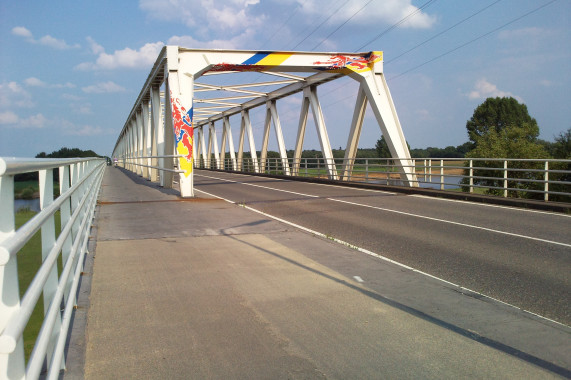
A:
(430, 170)
(441, 174)
(48, 233)
(12, 365)
(546, 178)
(505, 178)
(471, 176)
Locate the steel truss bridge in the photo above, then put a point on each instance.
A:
(158, 142)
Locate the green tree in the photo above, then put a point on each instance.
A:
(497, 114)
(510, 142)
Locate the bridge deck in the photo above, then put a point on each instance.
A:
(203, 288)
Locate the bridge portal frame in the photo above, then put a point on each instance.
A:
(158, 141)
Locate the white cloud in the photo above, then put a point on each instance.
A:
(95, 47)
(126, 58)
(22, 32)
(218, 15)
(9, 118)
(237, 42)
(386, 11)
(70, 129)
(13, 95)
(35, 82)
(46, 40)
(102, 88)
(484, 89)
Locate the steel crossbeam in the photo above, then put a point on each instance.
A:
(174, 124)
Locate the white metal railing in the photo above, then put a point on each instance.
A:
(135, 161)
(79, 184)
(546, 179)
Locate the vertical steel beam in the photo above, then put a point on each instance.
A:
(223, 147)
(205, 158)
(168, 142)
(147, 136)
(279, 135)
(241, 144)
(180, 94)
(311, 93)
(300, 135)
(228, 135)
(265, 140)
(141, 170)
(158, 134)
(354, 134)
(251, 143)
(213, 143)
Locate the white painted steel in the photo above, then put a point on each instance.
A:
(178, 69)
(76, 204)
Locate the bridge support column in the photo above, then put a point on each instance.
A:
(156, 127)
(227, 136)
(205, 158)
(273, 111)
(311, 94)
(354, 134)
(213, 145)
(146, 140)
(246, 128)
(377, 91)
(180, 115)
(141, 170)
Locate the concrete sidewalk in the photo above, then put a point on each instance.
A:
(202, 288)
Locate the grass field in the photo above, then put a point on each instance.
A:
(29, 261)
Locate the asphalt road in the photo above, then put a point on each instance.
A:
(517, 256)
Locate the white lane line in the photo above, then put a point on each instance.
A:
(263, 187)
(451, 222)
(402, 213)
(475, 204)
(371, 253)
(490, 205)
(312, 183)
(358, 279)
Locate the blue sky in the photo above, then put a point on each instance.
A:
(71, 70)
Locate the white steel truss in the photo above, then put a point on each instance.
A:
(166, 136)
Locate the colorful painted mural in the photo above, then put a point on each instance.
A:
(183, 133)
(352, 63)
(264, 61)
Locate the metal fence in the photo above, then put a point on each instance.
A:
(546, 179)
(61, 254)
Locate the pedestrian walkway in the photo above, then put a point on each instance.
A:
(201, 288)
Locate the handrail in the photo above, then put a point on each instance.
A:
(80, 181)
(442, 173)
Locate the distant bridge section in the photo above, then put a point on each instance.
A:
(165, 131)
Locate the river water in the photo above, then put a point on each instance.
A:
(32, 204)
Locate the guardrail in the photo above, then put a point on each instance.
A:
(62, 260)
(546, 179)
